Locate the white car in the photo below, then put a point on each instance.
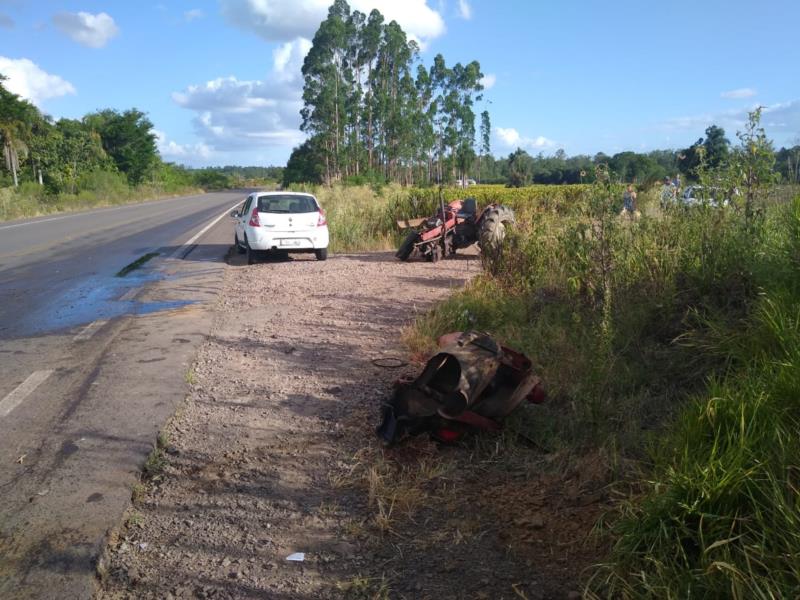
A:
(696, 195)
(281, 222)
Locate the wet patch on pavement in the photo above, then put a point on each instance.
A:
(92, 299)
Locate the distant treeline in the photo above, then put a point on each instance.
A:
(231, 176)
(521, 168)
(65, 156)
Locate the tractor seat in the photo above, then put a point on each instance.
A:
(468, 208)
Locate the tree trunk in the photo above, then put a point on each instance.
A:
(10, 156)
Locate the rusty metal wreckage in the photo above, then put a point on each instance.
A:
(458, 224)
(472, 383)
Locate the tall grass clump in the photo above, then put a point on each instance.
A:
(719, 516)
(359, 218)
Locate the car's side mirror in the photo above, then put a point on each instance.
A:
(235, 214)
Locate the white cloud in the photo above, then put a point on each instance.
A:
(782, 118)
(511, 138)
(171, 150)
(285, 20)
(6, 21)
(464, 10)
(488, 81)
(739, 93)
(87, 29)
(781, 121)
(28, 80)
(195, 13)
(233, 114)
(287, 61)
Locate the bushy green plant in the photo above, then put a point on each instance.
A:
(107, 184)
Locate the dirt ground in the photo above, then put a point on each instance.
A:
(274, 453)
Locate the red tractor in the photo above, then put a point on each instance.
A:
(455, 225)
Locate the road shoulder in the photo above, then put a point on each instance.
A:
(272, 483)
(83, 435)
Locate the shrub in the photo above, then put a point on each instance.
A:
(104, 184)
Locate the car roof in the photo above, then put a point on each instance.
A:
(279, 193)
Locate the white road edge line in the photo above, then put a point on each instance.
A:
(104, 209)
(35, 222)
(197, 235)
(22, 391)
(89, 330)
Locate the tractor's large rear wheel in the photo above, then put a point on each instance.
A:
(407, 247)
(493, 227)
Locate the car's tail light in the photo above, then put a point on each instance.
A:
(254, 221)
(322, 220)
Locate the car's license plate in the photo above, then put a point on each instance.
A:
(290, 242)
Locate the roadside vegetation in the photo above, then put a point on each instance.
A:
(107, 157)
(671, 342)
(362, 218)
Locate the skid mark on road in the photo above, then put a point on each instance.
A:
(22, 391)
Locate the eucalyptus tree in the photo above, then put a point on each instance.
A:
(485, 139)
(370, 107)
(324, 90)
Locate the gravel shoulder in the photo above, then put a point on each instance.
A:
(273, 453)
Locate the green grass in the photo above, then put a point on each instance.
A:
(157, 459)
(673, 340)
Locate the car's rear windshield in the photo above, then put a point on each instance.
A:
(287, 204)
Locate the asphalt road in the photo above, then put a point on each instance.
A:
(50, 263)
(91, 366)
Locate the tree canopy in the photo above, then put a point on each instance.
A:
(58, 154)
(370, 108)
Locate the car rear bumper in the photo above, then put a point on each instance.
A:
(263, 239)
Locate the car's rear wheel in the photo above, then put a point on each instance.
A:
(321, 253)
(251, 255)
(239, 248)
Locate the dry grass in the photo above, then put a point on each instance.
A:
(20, 205)
(364, 588)
(397, 483)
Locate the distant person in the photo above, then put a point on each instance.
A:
(669, 193)
(629, 202)
(676, 182)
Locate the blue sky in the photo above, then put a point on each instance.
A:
(220, 78)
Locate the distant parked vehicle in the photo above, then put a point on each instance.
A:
(280, 222)
(697, 195)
